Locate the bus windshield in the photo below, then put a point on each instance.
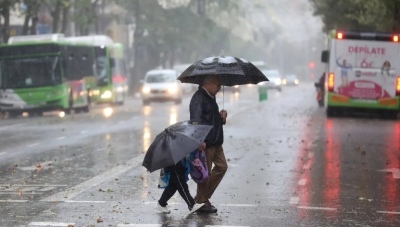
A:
(29, 72)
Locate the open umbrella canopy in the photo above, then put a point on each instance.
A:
(231, 70)
(175, 143)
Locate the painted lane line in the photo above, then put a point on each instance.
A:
(139, 225)
(33, 144)
(317, 208)
(33, 185)
(75, 201)
(45, 189)
(387, 212)
(10, 126)
(61, 138)
(50, 224)
(226, 226)
(13, 201)
(238, 205)
(302, 182)
(71, 193)
(294, 200)
(147, 203)
(18, 193)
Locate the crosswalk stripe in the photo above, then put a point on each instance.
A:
(50, 224)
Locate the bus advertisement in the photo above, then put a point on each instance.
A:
(362, 72)
(38, 75)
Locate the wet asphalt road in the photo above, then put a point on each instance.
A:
(288, 166)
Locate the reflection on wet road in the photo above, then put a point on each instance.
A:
(288, 166)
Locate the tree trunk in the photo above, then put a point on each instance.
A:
(65, 19)
(6, 28)
(35, 20)
(56, 16)
(25, 27)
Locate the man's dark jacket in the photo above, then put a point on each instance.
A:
(205, 108)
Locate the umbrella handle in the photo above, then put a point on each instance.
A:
(223, 97)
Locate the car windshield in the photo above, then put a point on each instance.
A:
(160, 77)
(291, 76)
(271, 74)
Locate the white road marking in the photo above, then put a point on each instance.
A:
(233, 165)
(73, 201)
(157, 202)
(33, 185)
(238, 205)
(395, 172)
(83, 132)
(50, 224)
(226, 226)
(387, 212)
(46, 189)
(10, 126)
(13, 201)
(139, 225)
(61, 138)
(294, 200)
(33, 144)
(71, 193)
(34, 167)
(302, 182)
(317, 208)
(17, 193)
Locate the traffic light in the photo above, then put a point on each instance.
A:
(311, 65)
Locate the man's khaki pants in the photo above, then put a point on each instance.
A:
(215, 155)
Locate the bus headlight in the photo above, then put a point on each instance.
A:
(120, 89)
(278, 81)
(106, 95)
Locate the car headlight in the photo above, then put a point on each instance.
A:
(296, 81)
(145, 90)
(172, 89)
(278, 81)
(236, 86)
(120, 89)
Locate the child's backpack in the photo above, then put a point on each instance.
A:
(198, 166)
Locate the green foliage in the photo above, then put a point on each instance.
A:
(362, 15)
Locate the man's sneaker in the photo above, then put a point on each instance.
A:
(195, 207)
(162, 209)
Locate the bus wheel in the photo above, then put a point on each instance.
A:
(13, 114)
(330, 112)
(86, 109)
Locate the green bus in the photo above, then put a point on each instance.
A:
(110, 68)
(39, 74)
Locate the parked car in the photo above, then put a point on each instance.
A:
(275, 80)
(290, 79)
(161, 85)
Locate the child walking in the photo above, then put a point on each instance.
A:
(176, 177)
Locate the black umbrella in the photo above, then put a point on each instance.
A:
(231, 70)
(175, 143)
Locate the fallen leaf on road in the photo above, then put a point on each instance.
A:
(99, 219)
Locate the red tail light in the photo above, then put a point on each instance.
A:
(398, 86)
(118, 79)
(331, 82)
(339, 35)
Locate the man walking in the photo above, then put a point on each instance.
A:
(203, 107)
